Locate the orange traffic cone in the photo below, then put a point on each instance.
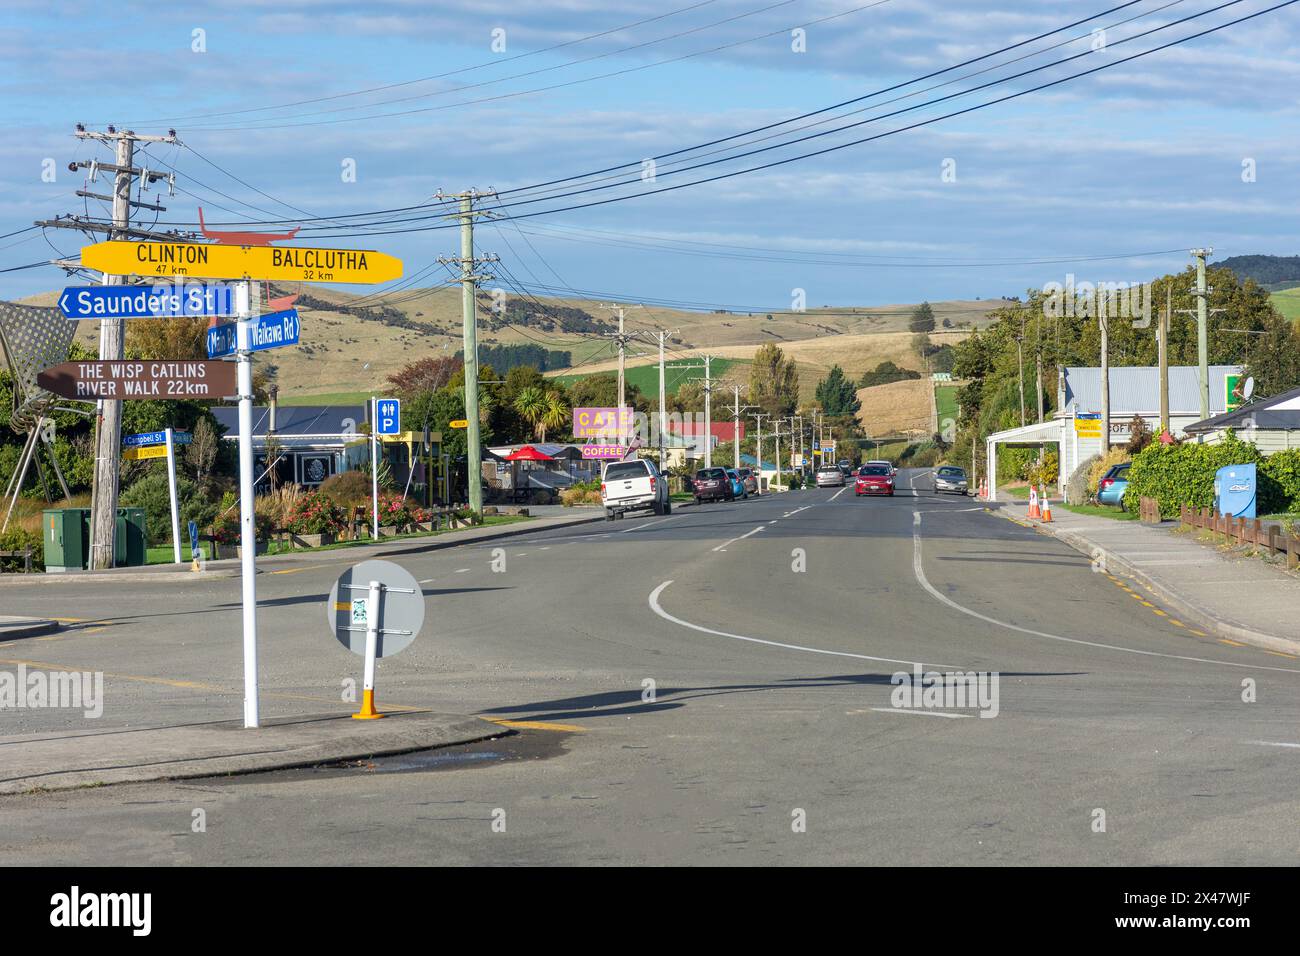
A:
(1047, 507)
(1033, 503)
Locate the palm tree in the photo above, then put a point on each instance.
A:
(531, 403)
(555, 415)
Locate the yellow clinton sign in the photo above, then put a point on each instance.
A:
(144, 452)
(241, 262)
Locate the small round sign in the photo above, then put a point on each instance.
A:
(400, 612)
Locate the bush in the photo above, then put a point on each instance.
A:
(578, 494)
(1281, 471)
(1045, 472)
(314, 513)
(347, 488)
(151, 493)
(1183, 474)
(1076, 486)
(20, 539)
(395, 510)
(1103, 464)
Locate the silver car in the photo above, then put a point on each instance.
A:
(830, 476)
(950, 478)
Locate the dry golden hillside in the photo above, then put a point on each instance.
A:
(898, 408)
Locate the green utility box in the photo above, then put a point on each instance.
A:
(129, 542)
(67, 539)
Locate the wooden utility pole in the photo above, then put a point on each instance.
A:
(469, 280)
(1162, 344)
(108, 420)
(1104, 321)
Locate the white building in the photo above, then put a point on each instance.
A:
(1134, 390)
(1270, 424)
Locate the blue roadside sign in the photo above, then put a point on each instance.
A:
(194, 539)
(156, 438)
(389, 415)
(145, 301)
(269, 331)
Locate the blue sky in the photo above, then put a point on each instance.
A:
(1143, 157)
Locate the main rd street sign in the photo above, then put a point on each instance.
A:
(268, 331)
(87, 381)
(145, 301)
(241, 262)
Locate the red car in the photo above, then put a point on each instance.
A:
(874, 480)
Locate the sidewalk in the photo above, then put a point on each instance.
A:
(230, 567)
(1236, 596)
(59, 761)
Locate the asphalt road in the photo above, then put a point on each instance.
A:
(771, 706)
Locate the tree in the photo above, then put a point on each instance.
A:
(836, 394)
(773, 381)
(425, 375)
(555, 415)
(601, 391)
(201, 453)
(177, 338)
(531, 405)
(886, 372)
(922, 319)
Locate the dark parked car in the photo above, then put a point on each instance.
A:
(750, 478)
(713, 484)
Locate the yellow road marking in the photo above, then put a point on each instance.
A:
(1199, 633)
(1156, 610)
(1280, 654)
(1176, 623)
(1144, 603)
(1224, 640)
(312, 567)
(539, 725)
(342, 605)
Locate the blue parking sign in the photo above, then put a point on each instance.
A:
(388, 415)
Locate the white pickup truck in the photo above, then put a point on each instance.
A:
(633, 486)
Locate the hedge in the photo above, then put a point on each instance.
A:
(1183, 474)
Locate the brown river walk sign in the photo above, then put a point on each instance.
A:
(143, 379)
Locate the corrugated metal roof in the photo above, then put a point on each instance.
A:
(1136, 388)
(1276, 412)
(293, 420)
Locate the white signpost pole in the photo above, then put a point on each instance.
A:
(368, 711)
(244, 309)
(171, 488)
(374, 466)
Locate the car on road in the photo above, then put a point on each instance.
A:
(712, 484)
(874, 479)
(738, 489)
(951, 479)
(1111, 488)
(750, 478)
(887, 464)
(830, 476)
(633, 486)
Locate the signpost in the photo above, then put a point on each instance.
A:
(375, 609)
(209, 380)
(149, 445)
(285, 264)
(386, 419)
(270, 331)
(80, 303)
(143, 379)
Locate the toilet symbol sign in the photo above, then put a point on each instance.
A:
(388, 416)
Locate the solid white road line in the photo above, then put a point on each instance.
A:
(1275, 743)
(461, 570)
(654, 606)
(920, 713)
(840, 492)
(944, 599)
(648, 524)
(723, 546)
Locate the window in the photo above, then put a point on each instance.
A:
(626, 470)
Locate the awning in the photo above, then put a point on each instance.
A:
(528, 453)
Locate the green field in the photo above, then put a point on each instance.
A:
(646, 377)
(327, 398)
(1287, 302)
(945, 404)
